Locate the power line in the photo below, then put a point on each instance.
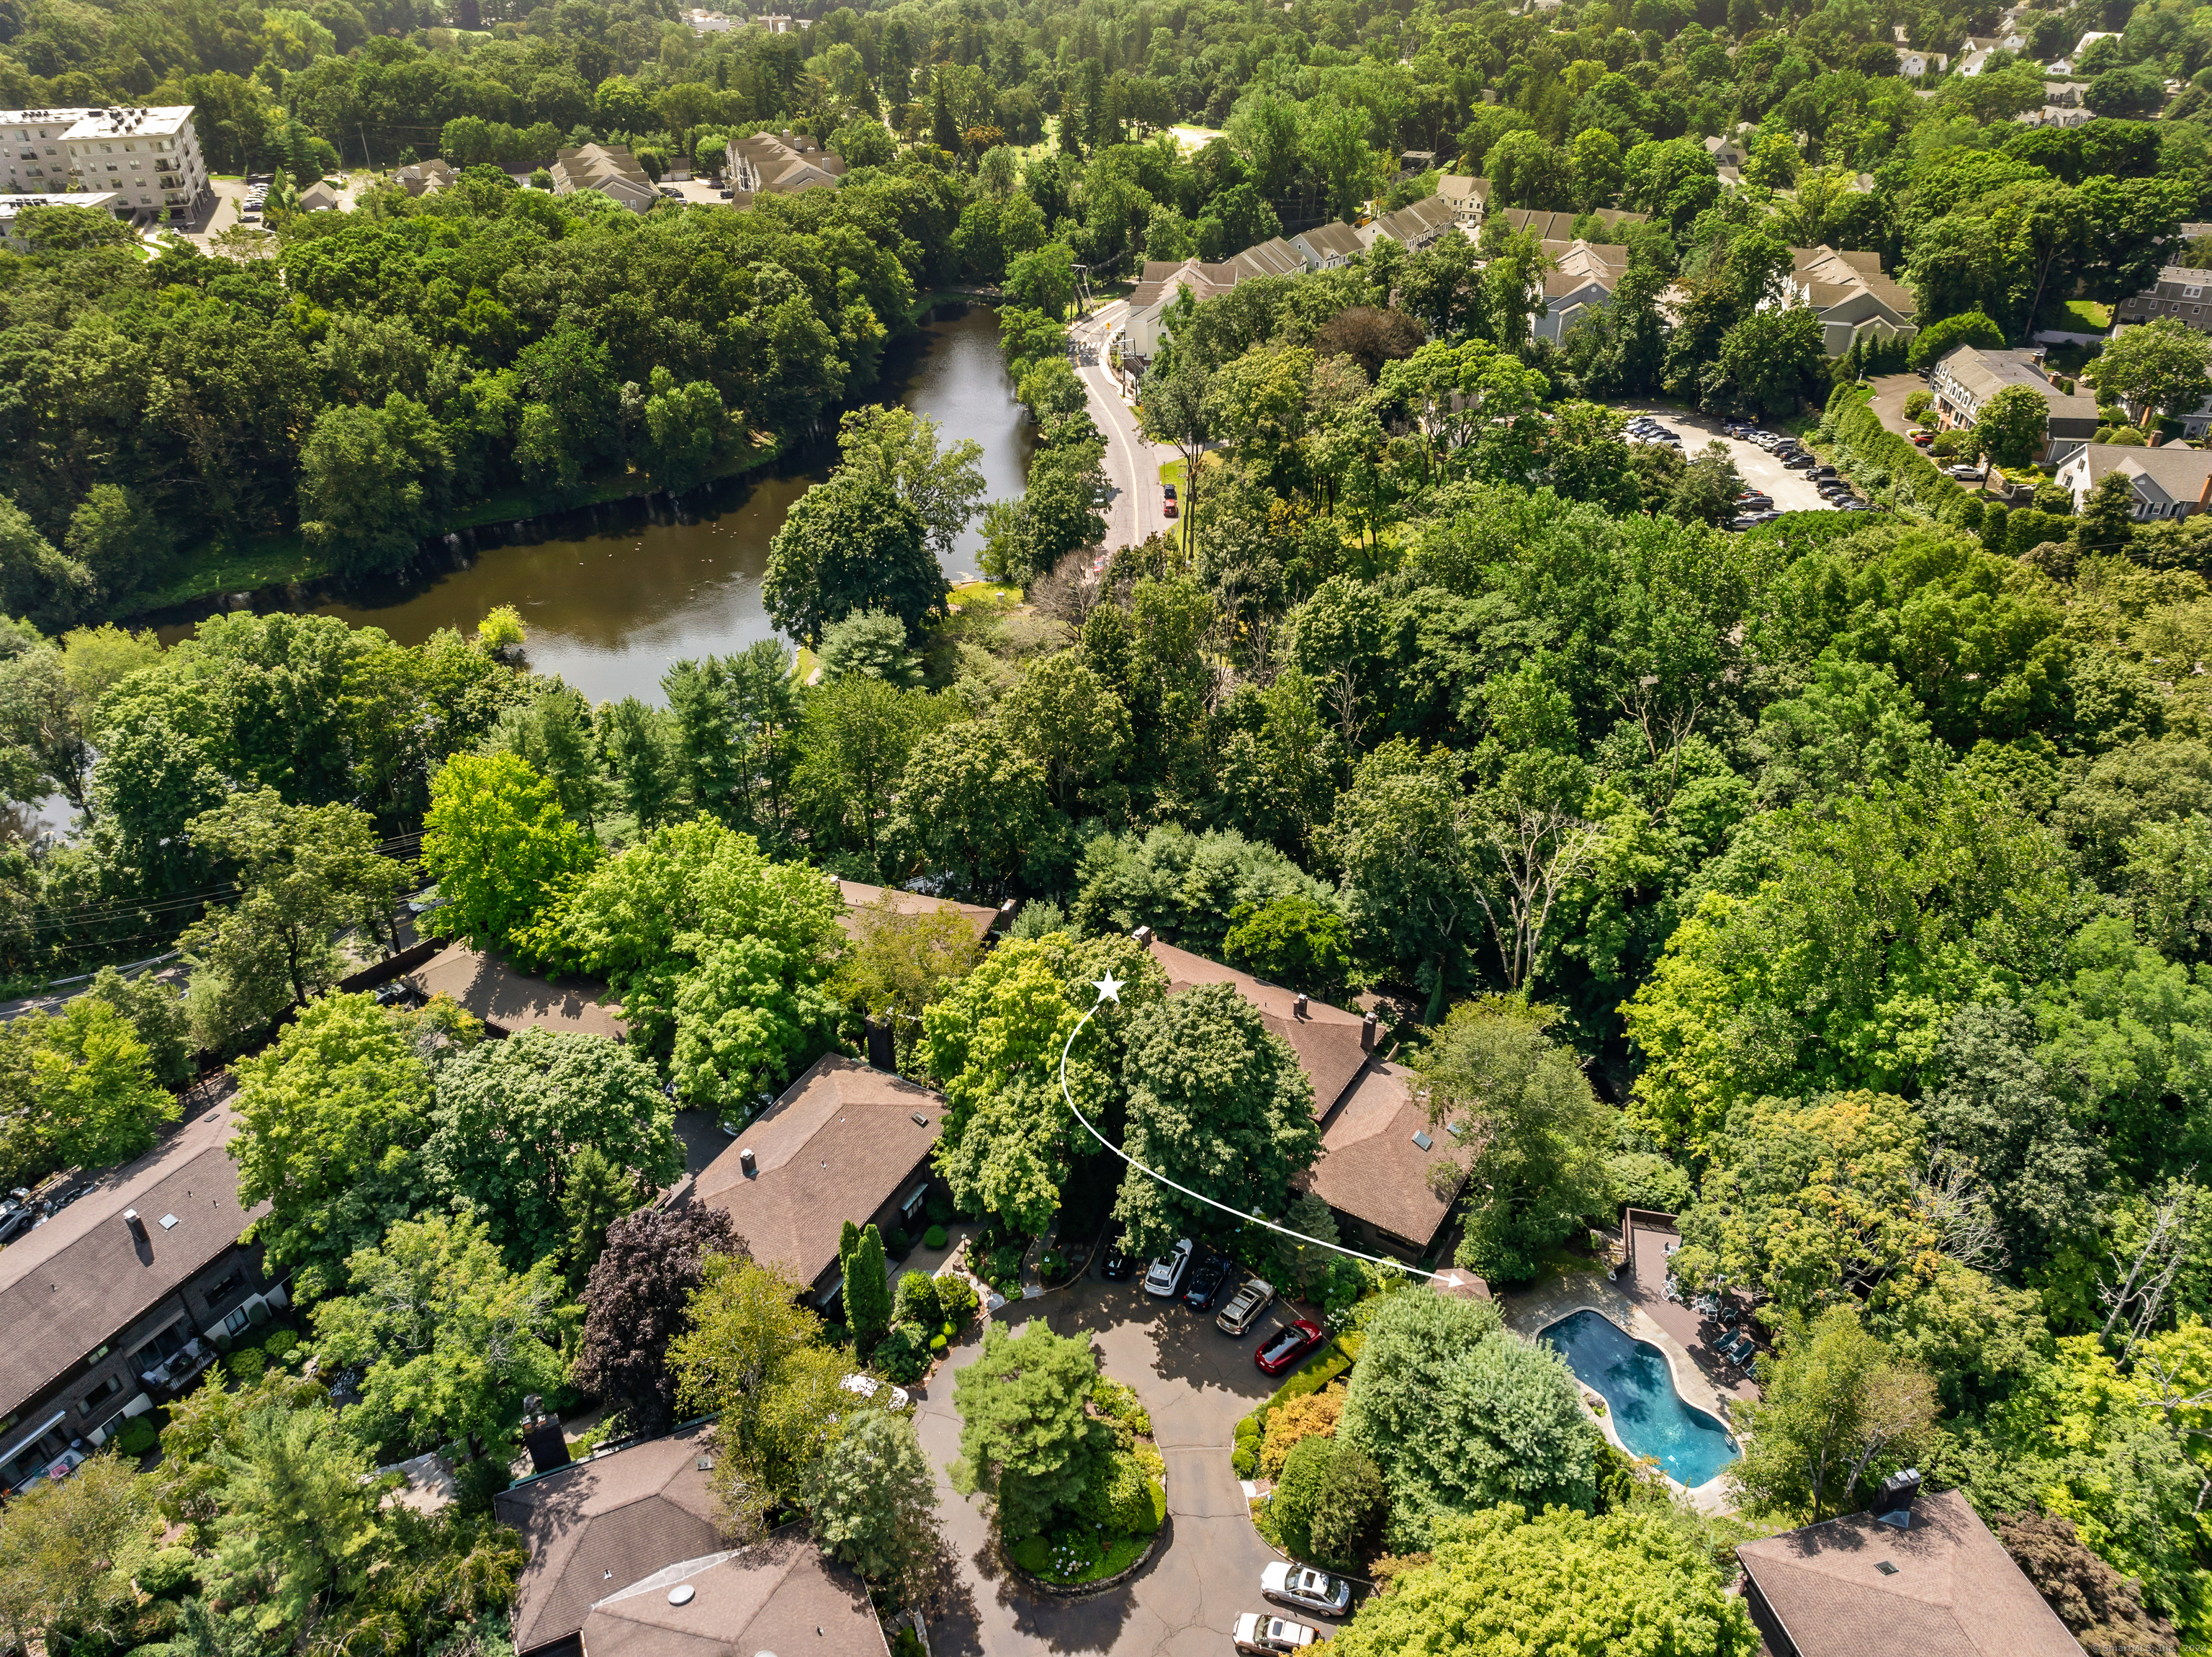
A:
(1110, 989)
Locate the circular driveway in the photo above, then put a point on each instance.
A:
(1197, 1382)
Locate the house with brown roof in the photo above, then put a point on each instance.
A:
(1852, 297)
(1941, 1586)
(425, 178)
(779, 164)
(1967, 378)
(508, 1001)
(1468, 197)
(1547, 225)
(860, 898)
(615, 1541)
(846, 1141)
(1165, 281)
(1328, 247)
(608, 168)
(1583, 278)
(2166, 482)
(118, 1301)
(1417, 225)
(1377, 1147)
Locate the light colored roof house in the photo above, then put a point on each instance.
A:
(781, 164)
(1968, 377)
(610, 169)
(1469, 197)
(2066, 93)
(1852, 297)
(508, 1001)
(1913, 64)
(1165, 281)
(318, 198)
(2167, 481)
(1376, 1145)
(2053, 115)
(1855, 1586)
(1326, 247)
(1971, 62)
(1415, 226)
(846, 1141)
(1583, 279)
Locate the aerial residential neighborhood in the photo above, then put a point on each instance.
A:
(930, 827)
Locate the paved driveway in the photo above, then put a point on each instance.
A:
(1197, 1382)
(1792, 490)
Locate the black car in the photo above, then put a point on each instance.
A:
(1115, 1262)
(1207, 1279)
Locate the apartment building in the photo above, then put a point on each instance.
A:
(1969, 377)
(779, 164)
(11, 206)
(2179, 293)
(146, 159)
(608, 168)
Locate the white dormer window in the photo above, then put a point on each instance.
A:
(2191, 293)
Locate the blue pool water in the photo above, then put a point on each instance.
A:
(1690, 1446)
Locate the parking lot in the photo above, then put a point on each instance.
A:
(1792, 491)
(1197, 1382)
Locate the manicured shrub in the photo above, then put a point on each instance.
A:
(247, 1365)
(1244, 1461)
(1248, 1429)
(1312, 1417)
(904, 1353)
(1325, 1367)
(137, 1436)
(1329, 1503)
(937, 1342)
(916, 1300)
(281, 1344)
(933, 1238)
(898, 1244)
(956, 1298)
(1032, 1554)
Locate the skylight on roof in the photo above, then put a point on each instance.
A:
(1885, 1568)
(1421, 1138)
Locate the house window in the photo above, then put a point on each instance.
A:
(100, 1394)
(914, 1199)
(159, 1351)
(2191, 293)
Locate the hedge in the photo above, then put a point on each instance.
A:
(1907, 476)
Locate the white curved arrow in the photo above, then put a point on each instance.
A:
(1110, 989)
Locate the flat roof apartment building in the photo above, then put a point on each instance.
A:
(146, 161)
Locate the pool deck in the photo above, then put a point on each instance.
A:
(1637, 1302)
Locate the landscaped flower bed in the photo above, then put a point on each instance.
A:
(1122, 1510)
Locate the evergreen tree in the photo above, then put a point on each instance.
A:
(868, 1282)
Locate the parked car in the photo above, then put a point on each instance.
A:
(1965, 474)
(1824, 472)
(1116, 1263)
(1287, 1345)
(1755, 502)
(727, 195)
(1257, 1631)
(671, 193)
(866, 1387)
(1306, 1588)
(1799, 462)
(16, 1219)
(1245, 1306)
(1164, 1278)
(1168, 490)
(1206, 1280)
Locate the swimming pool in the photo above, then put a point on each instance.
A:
(1690, 1446)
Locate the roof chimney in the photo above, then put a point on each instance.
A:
(1367, 1033)
(1143, 935)
(1299, 1006)
(138, 1228)
(745, 1162)
(1007, 910)
(1892, 1504)
(880, 1051)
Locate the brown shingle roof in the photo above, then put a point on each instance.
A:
(1371, 1167)
(76, 1280)
(781, 1596)
(601, 1524)
(858, 896)
(510, 1000)
(1560, 227)
(836, 1146)
(1955, 1591)
(1330, 1042)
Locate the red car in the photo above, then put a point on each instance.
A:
(1287, 1345)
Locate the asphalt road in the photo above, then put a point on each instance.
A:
(1132, 464)
(1197, 1382)
(1793, 491)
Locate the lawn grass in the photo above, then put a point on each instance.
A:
(1172, 472)
(987, 592)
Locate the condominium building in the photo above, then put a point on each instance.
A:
(11, 206)
(149, 159)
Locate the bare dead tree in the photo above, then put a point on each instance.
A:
(2171, 1401)
(2139, 1297)
(1538, 850)
(1952, 1198)
(1343, 699)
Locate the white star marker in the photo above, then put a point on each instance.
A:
(1108, 988)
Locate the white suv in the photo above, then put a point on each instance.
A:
(1164, 1278)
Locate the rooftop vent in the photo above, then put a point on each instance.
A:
(919, 1120)
(682, 1594)
(746, 1162)
(1421, 1138)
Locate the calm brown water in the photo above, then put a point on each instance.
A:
(615, 595)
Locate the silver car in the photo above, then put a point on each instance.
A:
(1164, 1278)
(1306, 1588)
(1261, 1634)
(1245, 1306)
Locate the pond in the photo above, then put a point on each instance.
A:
(612, 595)
(1690, 1446)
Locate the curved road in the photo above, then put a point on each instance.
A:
(1132, 464)
(1196, 1382)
